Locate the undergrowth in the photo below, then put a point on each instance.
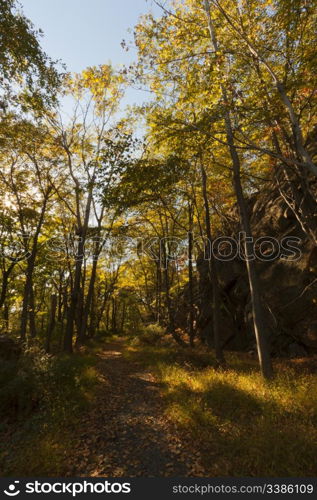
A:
(42, 398)
(242, 425)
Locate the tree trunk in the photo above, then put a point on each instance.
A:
(29, 272)
(170, 311)
(213, 273)
(88, 303)
(260, 326)
(123, 317)
(158, 293)
(32, 313)
(72, 308)
(5, 281)
(114, 315)
(190, 276)
(60, 302)
(51, 323)
(92, 319)
(26, 296)
(76, 290)
(108, 316)
(6, 317)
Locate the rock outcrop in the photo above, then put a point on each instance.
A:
(288, 281)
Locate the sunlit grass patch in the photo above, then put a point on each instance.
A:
(243, 424)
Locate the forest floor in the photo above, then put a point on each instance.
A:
(126, 432)
(166, 411)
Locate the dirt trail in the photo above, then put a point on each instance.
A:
(126, 432)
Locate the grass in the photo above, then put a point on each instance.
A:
(243, 425)
(44, 398)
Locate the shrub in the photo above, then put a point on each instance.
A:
(21, 382)
(36, 378)
(44, 397)
(151, 334)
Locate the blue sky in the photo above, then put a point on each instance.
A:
(88, 32)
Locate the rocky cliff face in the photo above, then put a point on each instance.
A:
(289, 282)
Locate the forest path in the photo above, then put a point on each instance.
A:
(126, 432)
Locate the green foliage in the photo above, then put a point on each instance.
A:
(152, 334)
(37, 381)
(23, 62)
(21, 383)
(42, 399)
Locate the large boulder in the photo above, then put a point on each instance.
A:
(289, 286)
